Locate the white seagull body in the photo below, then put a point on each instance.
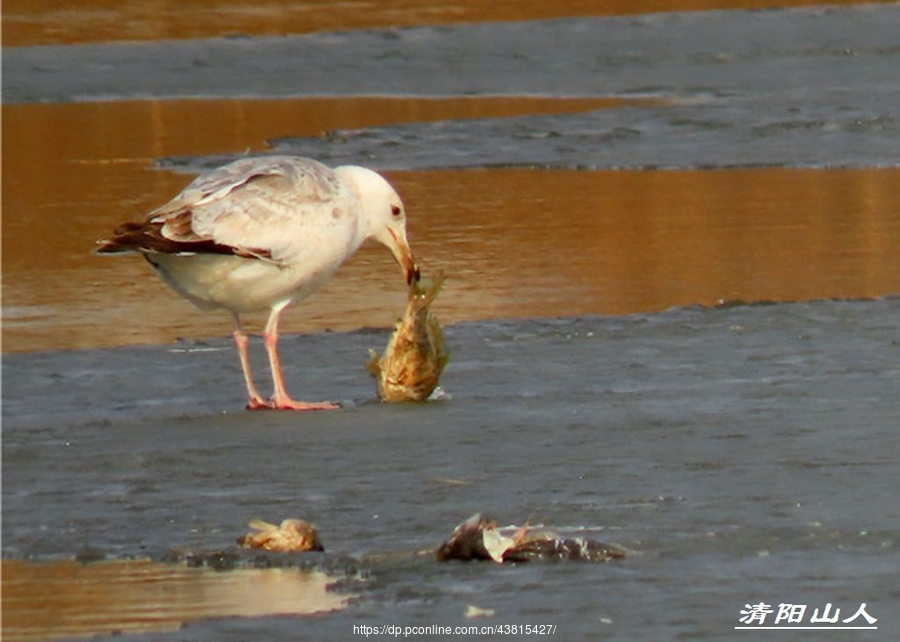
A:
(261, 233)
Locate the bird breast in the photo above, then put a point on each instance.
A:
(238, 284)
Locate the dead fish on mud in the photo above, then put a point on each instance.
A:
(415, 356)
(478, 538)
(291, 536)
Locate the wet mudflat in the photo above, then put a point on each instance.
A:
(741, 453)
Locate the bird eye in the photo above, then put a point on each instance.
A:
(395, 210)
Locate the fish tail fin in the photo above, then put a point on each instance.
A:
(425, 291)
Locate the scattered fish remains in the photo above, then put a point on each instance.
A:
(291, 536)
(478, 538)
(415, 355)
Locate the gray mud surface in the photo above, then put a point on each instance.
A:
(744, 454)
(812, 87)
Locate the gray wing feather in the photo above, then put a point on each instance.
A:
(269, 206)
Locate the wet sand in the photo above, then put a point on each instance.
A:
(746, 453)
(740, 453)
(756, 65)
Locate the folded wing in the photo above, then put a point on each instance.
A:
(265, 208)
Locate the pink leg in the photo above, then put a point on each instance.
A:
(280, 399)
(255, 400)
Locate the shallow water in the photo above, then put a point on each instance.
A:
(32, 22)
(94, 174)
(79, 600)
(516, 242)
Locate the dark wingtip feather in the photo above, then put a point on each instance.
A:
(146, 237)
(128, 237)
(114, 245)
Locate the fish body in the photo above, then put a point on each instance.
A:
(291, 536)
(415, 357)
(479, 538)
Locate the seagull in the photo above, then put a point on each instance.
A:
(261, 233)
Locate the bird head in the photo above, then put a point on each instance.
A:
(383, 213)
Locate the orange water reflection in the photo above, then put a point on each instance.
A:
(74, 171)
(66, 599)
(29, 22)
(536, 243)
(514, 242)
